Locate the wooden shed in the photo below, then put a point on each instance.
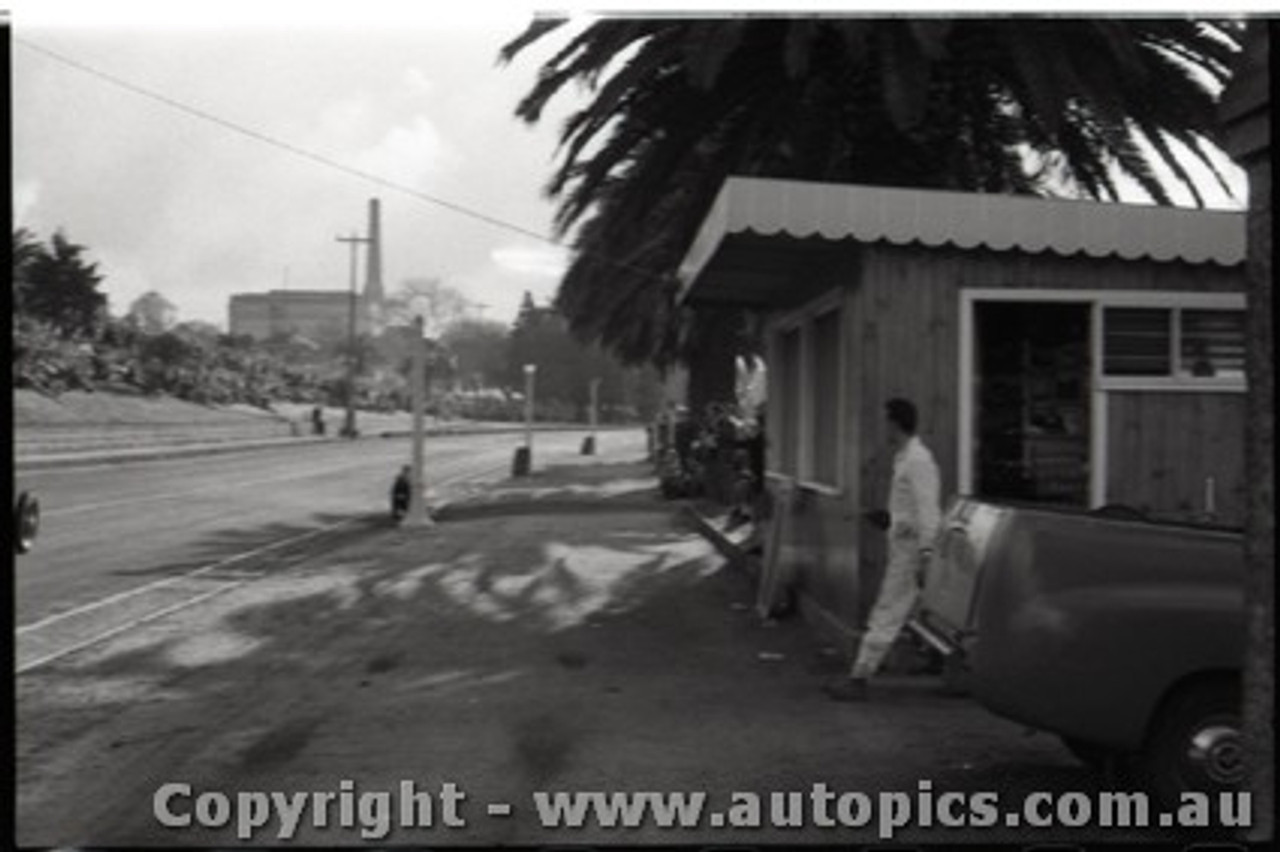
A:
(1059, 351)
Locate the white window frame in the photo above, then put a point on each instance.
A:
(802, 319)
(1176, 380)
(1101, 386)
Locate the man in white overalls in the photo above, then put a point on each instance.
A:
(914, 516)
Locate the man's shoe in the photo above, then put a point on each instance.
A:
(847, 689)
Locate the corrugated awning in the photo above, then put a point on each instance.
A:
(836, 212)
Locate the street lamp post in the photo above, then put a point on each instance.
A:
(522, 465)
(349, 428)
(530, 373)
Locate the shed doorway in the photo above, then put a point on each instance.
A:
(1031, 401)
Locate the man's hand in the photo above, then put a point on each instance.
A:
(923, 565)
(878, 518)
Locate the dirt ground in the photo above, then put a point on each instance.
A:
(564, 633)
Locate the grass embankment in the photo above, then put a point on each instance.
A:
(102, 408)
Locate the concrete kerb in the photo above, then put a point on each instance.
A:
(124, 456)
(527, 496)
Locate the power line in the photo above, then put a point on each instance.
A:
(286, 146)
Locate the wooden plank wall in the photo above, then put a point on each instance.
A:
(824, 534)
(826, 546)
(908, 326)
(902, 339)
(1162, 446)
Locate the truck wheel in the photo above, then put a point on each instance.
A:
(26, 522)
(1195, 744)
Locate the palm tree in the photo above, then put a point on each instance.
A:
(1018, 105)
(1024, 105)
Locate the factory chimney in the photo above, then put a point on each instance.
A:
(373, 294)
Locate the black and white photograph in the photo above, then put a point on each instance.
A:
(640, 425)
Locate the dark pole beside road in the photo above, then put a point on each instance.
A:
(349, 427)
(418, 515)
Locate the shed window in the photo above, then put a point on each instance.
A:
(825, 425)
(1138, 342)
(1212, 343)
(1173, 343)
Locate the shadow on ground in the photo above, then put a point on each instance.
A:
(504, 651)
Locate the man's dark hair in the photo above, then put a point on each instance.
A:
(902, 413)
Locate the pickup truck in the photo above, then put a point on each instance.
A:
(1123, 636)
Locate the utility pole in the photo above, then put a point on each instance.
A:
(418, 514)
(349, 428)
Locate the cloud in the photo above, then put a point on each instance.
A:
(26, 194)
(417, 81)
(409, 154)
(542, 261)
(170, 203)
(344, 122)
(500, 292)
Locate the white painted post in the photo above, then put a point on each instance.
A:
(530, 371)
(418, 514)
(595, 414)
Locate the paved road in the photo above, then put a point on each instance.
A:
(569, 633)
(111, 528)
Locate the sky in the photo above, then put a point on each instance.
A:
(166, 201)
(169, 202)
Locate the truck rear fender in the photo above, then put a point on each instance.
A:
(1225, 677)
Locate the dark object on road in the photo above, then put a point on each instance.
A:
(522, 464)
(401, 490)
(317, 421)
(589, 445)
(1125, 639)
(878, 518)
(26, 522)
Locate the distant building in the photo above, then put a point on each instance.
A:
(316, 314)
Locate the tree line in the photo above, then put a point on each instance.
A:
(66, 338)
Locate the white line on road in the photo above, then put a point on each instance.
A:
(230, 486)
(167, 581)
(118, 503)
(157, 614)
(128, 625)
